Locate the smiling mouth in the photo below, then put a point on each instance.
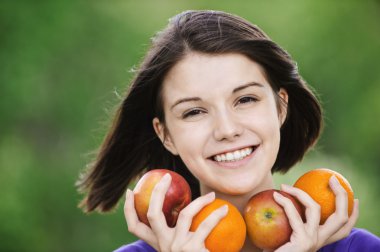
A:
(234, 155)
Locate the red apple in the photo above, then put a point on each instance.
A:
(177, 197)
(267, 224)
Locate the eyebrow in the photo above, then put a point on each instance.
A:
(250, 84)
(237, 89)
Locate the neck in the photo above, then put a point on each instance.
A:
(240, 200)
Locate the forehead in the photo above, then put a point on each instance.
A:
(199, 74)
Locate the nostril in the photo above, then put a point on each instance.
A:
(227, 127)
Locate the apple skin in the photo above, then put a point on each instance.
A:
(267, 224)
(177, 197)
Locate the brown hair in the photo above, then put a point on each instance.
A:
(132, 147)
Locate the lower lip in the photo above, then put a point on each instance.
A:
(238, 163)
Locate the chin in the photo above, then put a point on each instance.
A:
(238, 188)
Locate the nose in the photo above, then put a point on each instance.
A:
(227, 127)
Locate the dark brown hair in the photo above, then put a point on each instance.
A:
(132, 147)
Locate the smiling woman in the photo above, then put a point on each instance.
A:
(223, 105)
(234, 117)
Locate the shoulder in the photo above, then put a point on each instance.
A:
(358, 240)
(137, 246)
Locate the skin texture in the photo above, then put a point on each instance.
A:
(221, 121)
(220, 112)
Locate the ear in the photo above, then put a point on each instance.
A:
(283, 108)
(166, 139)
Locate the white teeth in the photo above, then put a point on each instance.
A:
(248, 151)
(237, 155)
(233, 156)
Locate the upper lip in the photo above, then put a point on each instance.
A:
(233, 149)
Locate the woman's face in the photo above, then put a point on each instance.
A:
(221, 117)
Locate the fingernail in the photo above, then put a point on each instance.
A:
(277, 195)
(225, 209)
(334, 180)
(357, 201)
(166, 177)
(128, 194)
(286, 187)
(211, 195)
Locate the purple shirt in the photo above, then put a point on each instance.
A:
(359, 240)
(137, 246)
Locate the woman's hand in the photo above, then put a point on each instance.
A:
(159, 235)
(310, 236)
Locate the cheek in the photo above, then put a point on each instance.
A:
(273, 140)
(266, 122)
(272, 132)
(189, 139)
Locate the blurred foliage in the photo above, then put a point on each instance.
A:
(64, 64)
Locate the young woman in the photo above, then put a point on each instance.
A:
(220, 103)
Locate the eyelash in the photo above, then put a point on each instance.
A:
(197, 111)
(192, 112)
(251, 99)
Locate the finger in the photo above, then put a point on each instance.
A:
(209, 223)
(352, 219)
(355, 213)
(312, 208)
(340, 217)
(186, 215)
(135, 226)
(295, 219)
(341, 200)
(155, 215)
(346, 229)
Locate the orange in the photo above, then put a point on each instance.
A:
(316, 184)
(229, 234)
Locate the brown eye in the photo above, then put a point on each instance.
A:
(246, 99)
(192, 112)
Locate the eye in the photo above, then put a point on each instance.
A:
(246, 99)
(192, 113)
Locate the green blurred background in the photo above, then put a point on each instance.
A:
(65, 64)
